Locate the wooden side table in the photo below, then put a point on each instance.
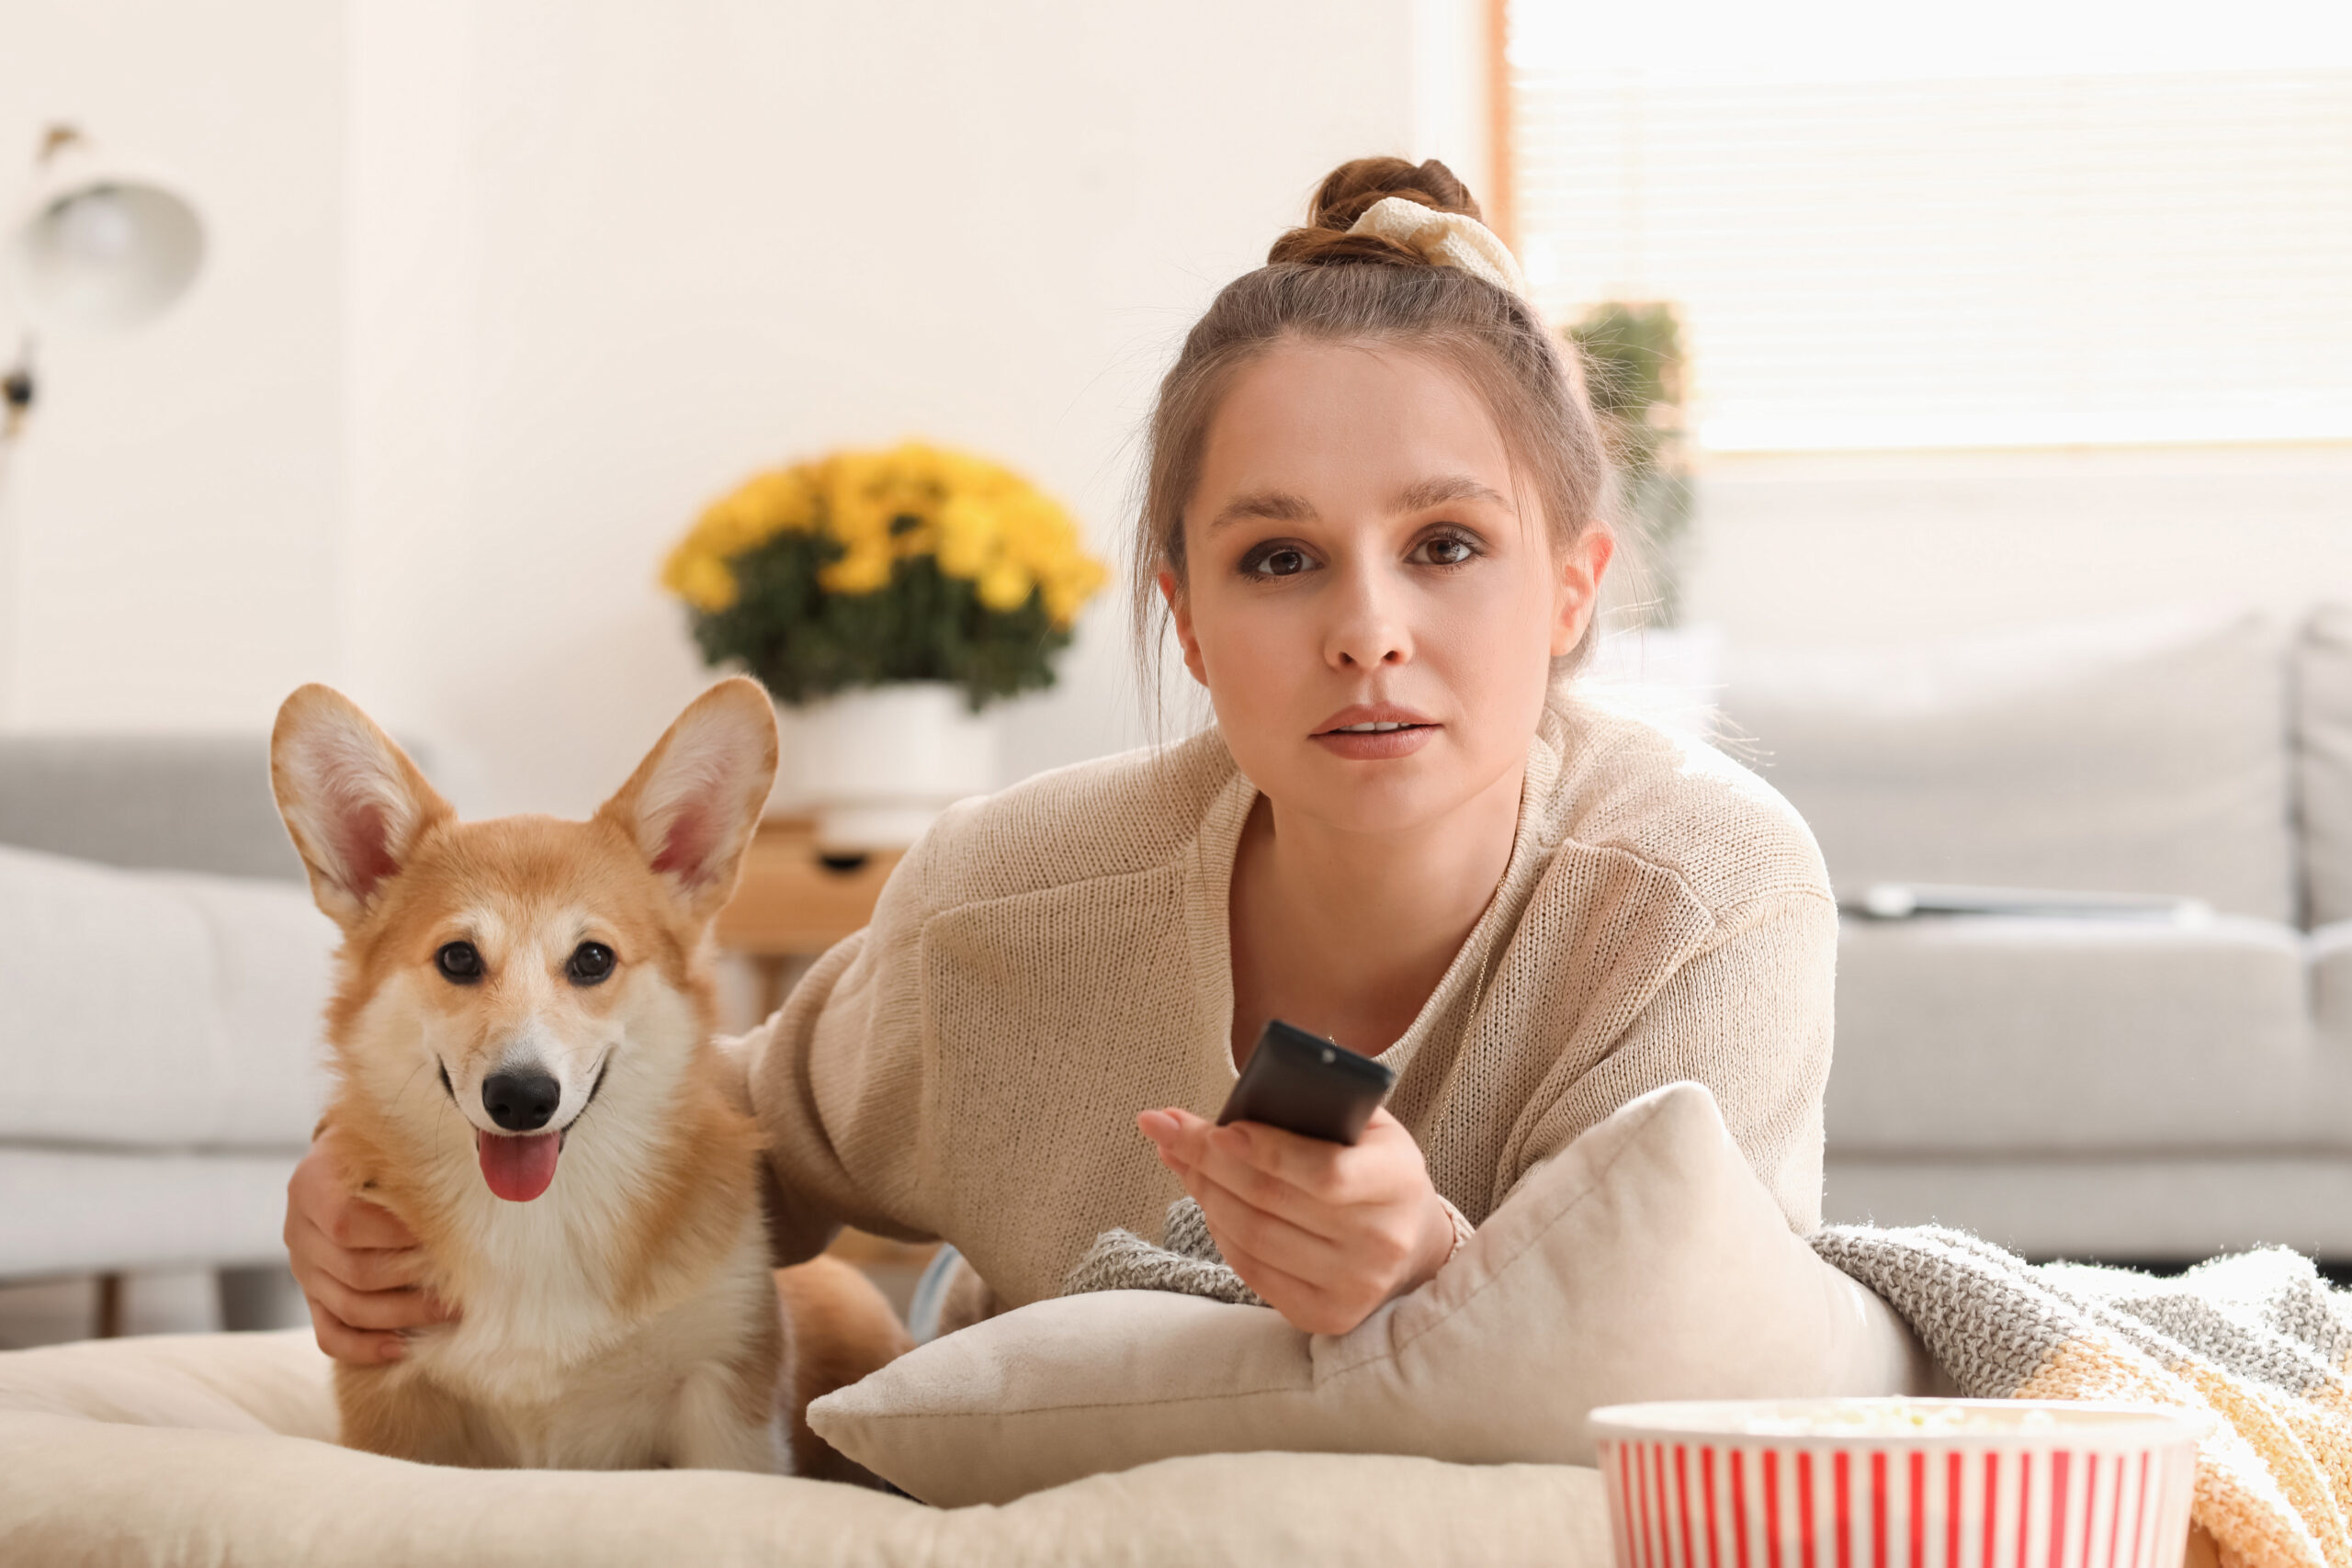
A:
(792, 903)
(790, 906)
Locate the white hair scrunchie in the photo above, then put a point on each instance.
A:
(1448, 238)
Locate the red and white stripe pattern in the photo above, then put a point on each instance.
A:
(1753, 1502)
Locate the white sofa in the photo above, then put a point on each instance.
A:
(2131, 1090)
(165, 971)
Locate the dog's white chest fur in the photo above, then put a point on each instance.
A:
(556, 1376)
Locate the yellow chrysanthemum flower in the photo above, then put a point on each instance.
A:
(1068, 590)
(969, 528)
(1002, 585)
(700, 578)
(980, 521)
(865, 570)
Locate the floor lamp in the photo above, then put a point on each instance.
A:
(100, 248)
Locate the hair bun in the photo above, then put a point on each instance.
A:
(1349, 191)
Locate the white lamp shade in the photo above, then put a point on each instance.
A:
(101, 248)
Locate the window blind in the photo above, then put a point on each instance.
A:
(1883, 261)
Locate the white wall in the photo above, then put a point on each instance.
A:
(607, 259)
(177, 501)
(502, 294)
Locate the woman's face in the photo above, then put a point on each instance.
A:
(1358, 554)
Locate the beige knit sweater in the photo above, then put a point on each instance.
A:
(1050, 959)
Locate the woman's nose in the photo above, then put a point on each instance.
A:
(1366, 629)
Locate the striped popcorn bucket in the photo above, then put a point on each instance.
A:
(1898, 1483)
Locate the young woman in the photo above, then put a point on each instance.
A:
(1375, 512)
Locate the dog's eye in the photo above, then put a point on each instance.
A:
(458, 961)
(591, 962)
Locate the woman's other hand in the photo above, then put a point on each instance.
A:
(359, 1267)
(1325, 1232)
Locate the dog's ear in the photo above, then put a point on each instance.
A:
(691, 806)
(355, 804)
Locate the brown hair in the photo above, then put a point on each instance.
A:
(1322, 284)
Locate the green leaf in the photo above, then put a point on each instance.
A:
(805, 643)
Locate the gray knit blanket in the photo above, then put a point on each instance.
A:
(1185, 1260)
(2260, 1339)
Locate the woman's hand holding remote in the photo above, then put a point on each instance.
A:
(1325, 1232)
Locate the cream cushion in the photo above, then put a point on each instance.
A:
(205, 1449)
(2133, 1035)
(150, 1009)
(1645, 1261)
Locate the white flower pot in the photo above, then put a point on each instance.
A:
(878, 765)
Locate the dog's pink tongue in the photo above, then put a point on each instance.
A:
(518, 1169)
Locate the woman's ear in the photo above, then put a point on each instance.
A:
(1179, 610)
(1576, 588)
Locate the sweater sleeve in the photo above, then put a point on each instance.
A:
(795, 1187)
(1749, 1015)
(835, 1079)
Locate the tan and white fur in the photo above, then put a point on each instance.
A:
(617, 1308)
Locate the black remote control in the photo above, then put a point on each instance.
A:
(1306, 1084)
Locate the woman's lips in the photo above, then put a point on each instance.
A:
(1376, 745)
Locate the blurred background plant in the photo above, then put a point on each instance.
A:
(869, 568)
(1634, 367)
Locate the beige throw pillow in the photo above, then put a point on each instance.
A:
(1645, 1262)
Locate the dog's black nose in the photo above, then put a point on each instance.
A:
(520, 1103)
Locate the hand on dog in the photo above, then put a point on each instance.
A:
(1325, 1232)
(358, 1265)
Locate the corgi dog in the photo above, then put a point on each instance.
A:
(522, 1031)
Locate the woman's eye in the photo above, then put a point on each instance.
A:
(590, 962)
(458, 963)
(1447, 549)
(1283, 560)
